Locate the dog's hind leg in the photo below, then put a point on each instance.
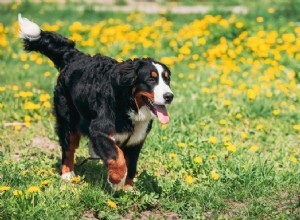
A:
(67, 119)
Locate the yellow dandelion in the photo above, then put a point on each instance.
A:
(269, 94)
(24, 172)
(33, 189)
(164, 126)
(239, 115)
(231, 148)
(276, 112)
(180, 144)
(164, 138)
(251, 94)
(253, 148)
(189, 179)
(213, 156)
(17, 127)
(271, 10)
(1, 105)
(227, 102)
(28, 84)
(191, 144)
(293, 159)
(27, 118)
(260, 19)
(180, 75)
(244, 135)
(172, 155)
(15, 88)
(292, 107)
(223, 122)
(259, 127)
(239, 24)
(214, 175)
(198, 160)
(47, 104)
(45, 182)
(17, 192)
(212, 139)
(4, 188)
(202, 123)
(112, 204)
(37, 117)
(294, 151)
(75, 179)
(26, 66)
(296, 127)
(47, 74)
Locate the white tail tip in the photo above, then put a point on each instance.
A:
(28, 29)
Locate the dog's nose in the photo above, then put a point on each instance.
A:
(168, 97)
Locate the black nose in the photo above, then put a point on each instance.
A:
(168, 97)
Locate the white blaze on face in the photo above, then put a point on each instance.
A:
(161, 88)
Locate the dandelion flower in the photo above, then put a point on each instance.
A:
(212, 139)
(180, 144)
(112, 204)
(33, 189)
(17, 192)
(75, 179)
(198, 160)
(223, 122)
(214, 175)
(293, 159)
(172, 155)
(231, 148)
(189, 179)
(213, 156)
(45, 182)
(276, 112)
(4, 188)
(253, 148)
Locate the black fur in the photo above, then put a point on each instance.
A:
(94, 94)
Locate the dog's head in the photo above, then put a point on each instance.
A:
(149, 82)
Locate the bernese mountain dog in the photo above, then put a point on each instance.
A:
(112, 103)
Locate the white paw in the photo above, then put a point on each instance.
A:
(118, 186)
(67, 176)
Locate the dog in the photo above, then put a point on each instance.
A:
(112, 103)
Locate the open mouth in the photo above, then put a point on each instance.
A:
(160, 111)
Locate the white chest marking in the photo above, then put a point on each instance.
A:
(140, 122)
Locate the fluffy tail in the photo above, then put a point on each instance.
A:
(56, 47)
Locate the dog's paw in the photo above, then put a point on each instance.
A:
(67, 176)
(128, 185)
(117, 184)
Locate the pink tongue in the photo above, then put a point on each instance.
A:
(162, 114)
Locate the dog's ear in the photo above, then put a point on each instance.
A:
(127, 73)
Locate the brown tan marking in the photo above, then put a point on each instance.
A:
(68, 165)
(117, 168)
(154, 74)
(166, 74)
(138, 98)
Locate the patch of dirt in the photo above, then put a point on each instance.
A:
(89, 215)
(153, 214)
(46, 145)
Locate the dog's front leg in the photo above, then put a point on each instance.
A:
(105, 147)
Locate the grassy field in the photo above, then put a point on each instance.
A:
(231, 149)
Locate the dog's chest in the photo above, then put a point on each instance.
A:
(135, 137)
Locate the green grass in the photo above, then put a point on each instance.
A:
(235, 110)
